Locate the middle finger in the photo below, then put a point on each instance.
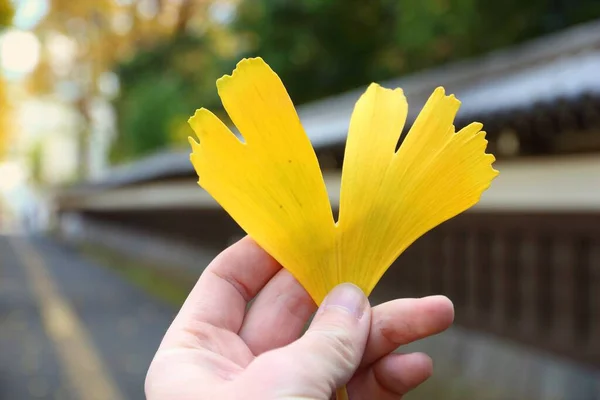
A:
(278, 314)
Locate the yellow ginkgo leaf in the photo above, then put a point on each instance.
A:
(271, 184)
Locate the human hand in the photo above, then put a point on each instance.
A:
(221, 346)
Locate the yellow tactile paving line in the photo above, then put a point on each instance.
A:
(87, 375)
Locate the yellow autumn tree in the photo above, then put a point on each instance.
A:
(6, 15)
(102, 33)
(4, 119)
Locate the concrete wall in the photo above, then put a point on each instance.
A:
(168, 253)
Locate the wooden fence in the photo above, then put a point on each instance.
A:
(534, 278)
(531, 277)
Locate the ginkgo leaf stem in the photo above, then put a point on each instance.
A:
(341, 393)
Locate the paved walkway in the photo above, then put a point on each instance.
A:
(70, 329)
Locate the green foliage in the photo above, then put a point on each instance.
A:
(321, 48)
(161, 88)
(324, 47)
(7, 13)
(146, 113)
(35, 160)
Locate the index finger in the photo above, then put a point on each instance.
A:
(224, 289)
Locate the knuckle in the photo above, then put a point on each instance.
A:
(339, 339)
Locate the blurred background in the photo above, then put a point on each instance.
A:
(103, 229)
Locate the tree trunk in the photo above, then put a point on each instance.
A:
(83, 141)
(185, 14)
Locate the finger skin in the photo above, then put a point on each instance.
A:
(224, 289)
(391, 377)
(324, 358)
(284, 303)
(400, 322)
(278, 315)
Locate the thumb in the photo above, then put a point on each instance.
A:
(328, 354)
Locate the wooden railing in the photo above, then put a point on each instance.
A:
(534, 278)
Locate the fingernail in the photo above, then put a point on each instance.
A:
(349, 298)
